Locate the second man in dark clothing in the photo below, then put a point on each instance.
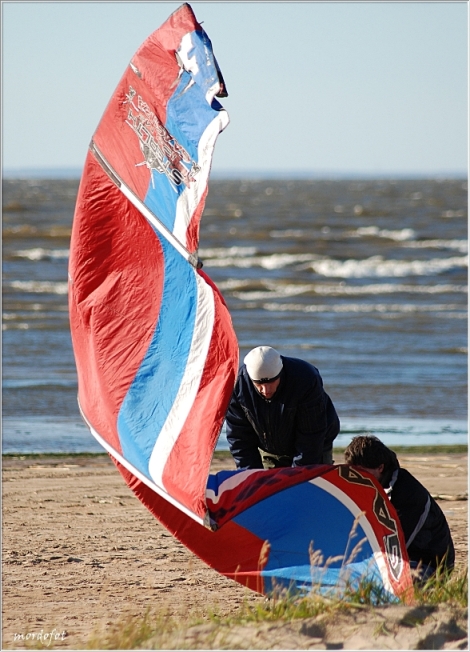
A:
(279, 414)
(427, 534)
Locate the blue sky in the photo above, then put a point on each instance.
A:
(314, 88)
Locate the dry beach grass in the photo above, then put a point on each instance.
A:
(83, 560)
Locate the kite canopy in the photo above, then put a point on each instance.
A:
(157, 355)
(154, 345)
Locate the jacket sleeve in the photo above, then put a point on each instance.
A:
(241, 437)
(311, 427)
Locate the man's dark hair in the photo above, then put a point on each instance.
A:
(368, 451)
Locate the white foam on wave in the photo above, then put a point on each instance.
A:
(458, 245)
(272, 261)
(36, 315)
(389, 288)
(379, 267)
(450, 213)
(447, 309)
(17, 326)
(407, 236)
(375, 266)
(224, 252)
(374, 231)
(38, 253)
(39, 287)
(274, 292)
(33, 314)
(278, 290)
(244, 257)
(234, 284)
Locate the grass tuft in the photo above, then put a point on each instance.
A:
(444, 587)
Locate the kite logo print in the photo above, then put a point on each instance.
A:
(162, 152)
(391, 541)
(382, 513)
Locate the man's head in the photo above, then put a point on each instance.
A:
(264, 366)
(371, 454)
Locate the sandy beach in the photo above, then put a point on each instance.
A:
(81, 555)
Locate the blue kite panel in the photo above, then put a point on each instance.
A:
(157, 382)
(302, 516)
(188, 115)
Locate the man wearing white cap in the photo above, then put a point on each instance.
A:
(279, 414)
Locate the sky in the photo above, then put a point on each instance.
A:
(315, 88)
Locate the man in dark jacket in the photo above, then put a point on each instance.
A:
(427, 534)
(279, 414)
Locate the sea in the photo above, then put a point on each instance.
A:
(364, 278)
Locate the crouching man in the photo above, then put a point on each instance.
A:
(280, 414)
(427, 535)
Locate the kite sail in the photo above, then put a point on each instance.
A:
(157, 355)
(155, 349)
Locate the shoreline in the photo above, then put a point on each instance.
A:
(431, 449)
(81, 554)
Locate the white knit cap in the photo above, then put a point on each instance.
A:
(263, 363)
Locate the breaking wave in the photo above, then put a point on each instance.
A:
(272, 290)
(39, 287)
(397, 234)
(38, 253)
(375, 266)
(452, 309)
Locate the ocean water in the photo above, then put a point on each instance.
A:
(366, 279)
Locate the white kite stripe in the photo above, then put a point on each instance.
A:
(363, 522)
(190, 198)
(189, 387)
(130, 467)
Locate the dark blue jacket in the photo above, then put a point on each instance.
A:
(427, 533)
(299, 421)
